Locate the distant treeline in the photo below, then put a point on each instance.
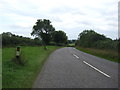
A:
(92, 39)
(87, 39)
(58, 38)
(9, 39)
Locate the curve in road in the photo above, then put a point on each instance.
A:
(71, 68)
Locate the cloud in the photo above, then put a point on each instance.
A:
(72, 16)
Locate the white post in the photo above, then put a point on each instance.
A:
(18, 52)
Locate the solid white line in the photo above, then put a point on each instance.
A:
(97, 69)
(76, 56)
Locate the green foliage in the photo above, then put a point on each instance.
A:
(43, 29)
(91, 39)
(107, 54)
(99, 45)
(45, 37)
(107, 44)
(71, 43)
(9, 39)
(44, 34)
(88, 37)
(59, 37)
(18, 76)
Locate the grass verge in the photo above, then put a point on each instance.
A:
(23, 76)
(106, 54)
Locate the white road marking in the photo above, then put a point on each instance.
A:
(97, 69)
(76, 56)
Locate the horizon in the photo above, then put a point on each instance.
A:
(33, 37)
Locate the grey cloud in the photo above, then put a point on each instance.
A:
(73, 32)
(113, 24)
(65, 9)
(61, 10)
(84, 22)
(24, 13)
(31, 11)
(34, 11)
(79, 12)
(55, 19)
(18, 27)
(119, 19)
(111, 18)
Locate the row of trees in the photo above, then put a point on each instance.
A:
(92, 39)
(9, 39)
(44, 33)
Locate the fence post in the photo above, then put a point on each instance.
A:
(18, 49)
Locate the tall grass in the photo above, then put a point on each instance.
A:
(23, 76)
(107, 54)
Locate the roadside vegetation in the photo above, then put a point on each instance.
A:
(71, 43)
(12, 40)
(35, 51)
(21, 72)
(44, 33)
(94, 43)
(106, 54)
(23, 76)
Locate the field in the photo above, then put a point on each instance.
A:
(107, 54)
(22, 76)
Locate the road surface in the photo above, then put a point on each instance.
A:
(71, 68)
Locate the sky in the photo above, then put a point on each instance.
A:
(71, 16)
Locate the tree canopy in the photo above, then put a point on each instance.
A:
(59, 37)
(43, 29)
(90, 38)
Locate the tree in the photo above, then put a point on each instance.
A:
(43, 29)
(92, 39)
(88, 37)
(59, 37)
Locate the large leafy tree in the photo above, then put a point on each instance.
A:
(92, 39)
(43, 29)
(89, 37)
(59, 37)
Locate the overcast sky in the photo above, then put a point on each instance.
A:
(71, 16)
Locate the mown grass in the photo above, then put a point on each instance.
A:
(23, 76)
(106, 54)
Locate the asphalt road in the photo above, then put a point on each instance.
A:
(71, 68)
